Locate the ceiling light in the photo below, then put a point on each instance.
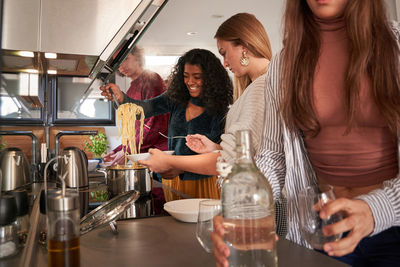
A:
(52, 72)
(32, 71)
(191, 33)
(50, 55)
(25, 54)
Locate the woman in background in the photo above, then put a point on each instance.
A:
(197, 100)
(332, 116)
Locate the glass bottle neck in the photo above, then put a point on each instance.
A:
(243, 144)
(244, 154)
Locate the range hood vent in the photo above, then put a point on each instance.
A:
(126, 38)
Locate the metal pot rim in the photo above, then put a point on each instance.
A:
(126, 167)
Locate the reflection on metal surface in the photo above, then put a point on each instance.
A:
(64, 64)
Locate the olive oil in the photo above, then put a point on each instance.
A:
(64, 253)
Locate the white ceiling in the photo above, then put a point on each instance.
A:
(168, 33)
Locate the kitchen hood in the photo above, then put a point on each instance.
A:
(126, 38)
(74, 37)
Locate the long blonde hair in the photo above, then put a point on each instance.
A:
(373, 51)
(246, 30)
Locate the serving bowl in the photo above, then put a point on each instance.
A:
(92, 164)
(145, 156)
(185, 210)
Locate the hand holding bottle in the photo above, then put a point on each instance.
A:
(220, 250)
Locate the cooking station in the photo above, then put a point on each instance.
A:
(155, 240)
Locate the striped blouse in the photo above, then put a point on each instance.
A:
(284, 161)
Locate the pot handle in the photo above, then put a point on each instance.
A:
(103, 170)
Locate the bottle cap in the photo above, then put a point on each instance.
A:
(67, 202)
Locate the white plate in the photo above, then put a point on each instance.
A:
(185, 210)
(145, 156)
(92, 164)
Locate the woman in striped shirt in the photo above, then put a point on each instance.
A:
(332, 117)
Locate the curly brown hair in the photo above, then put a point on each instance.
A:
(217, 89)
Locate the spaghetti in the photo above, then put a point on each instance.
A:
(126, 121)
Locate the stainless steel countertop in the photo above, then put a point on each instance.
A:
(152, 241)
(164, 241)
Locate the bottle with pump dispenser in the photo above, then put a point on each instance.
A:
(248, 211)
(63, 224)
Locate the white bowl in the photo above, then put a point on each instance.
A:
(145, 156)
(92, 164)
(185, 210)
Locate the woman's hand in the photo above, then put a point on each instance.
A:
(220, 249)
(158, 162)
(115, 158)
(108, 156)
(201, 144)
(358, 220)
(116, 91)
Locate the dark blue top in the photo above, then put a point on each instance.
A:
(205, 124)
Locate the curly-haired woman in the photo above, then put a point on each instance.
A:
(244, 44)
(197, 100)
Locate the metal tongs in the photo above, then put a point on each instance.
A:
(114, 98)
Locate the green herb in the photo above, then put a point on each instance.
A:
(2, 145)
(99, 196)
(98, 144)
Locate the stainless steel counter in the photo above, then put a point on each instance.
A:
(163, 241)
(152, 241)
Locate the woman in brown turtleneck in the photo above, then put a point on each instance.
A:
(336, 122)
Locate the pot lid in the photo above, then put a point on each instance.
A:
(108, 212)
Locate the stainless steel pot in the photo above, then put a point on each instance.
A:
(122, 178)
(15, 168)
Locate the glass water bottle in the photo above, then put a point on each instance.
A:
(248, 211)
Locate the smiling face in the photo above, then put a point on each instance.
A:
(231, 55)
(193, 78)
(327, 9)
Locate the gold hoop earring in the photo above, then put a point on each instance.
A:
(244, 59)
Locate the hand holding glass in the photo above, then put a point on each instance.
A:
(311, 200)
(207, 210)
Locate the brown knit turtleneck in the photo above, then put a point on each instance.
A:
(368, 154)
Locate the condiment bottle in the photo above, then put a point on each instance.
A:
(63, 230)
(248, 211)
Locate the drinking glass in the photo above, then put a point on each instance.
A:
(207, 210)
(311, 200)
